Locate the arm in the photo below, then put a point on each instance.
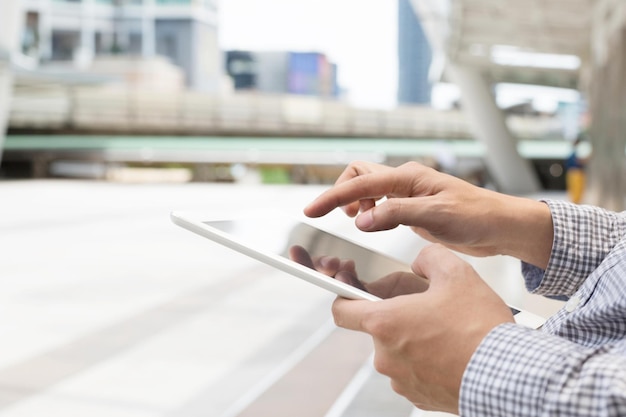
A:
(583, 237)
(522, 372)
(442, 209)
(580, 368)
(454, 347)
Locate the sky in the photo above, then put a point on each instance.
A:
(360, 36)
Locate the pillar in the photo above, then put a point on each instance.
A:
(148, 35)
(11, 22)
(606, 185)
(511, 173)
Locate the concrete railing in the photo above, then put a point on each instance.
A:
(93, 109)
(87, 109)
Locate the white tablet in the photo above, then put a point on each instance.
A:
(317, 256)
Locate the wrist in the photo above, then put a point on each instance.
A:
(527, 230)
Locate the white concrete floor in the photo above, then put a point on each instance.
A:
(108, 309)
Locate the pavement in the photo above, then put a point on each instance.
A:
(109, 309)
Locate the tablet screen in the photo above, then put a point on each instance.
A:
(334, 256)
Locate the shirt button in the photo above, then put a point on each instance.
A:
(572, 303)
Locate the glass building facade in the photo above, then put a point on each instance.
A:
(78, 31)
(414, 57)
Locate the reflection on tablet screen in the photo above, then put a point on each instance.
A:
(331, 255)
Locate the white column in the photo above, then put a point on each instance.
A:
(512, 173)
(148, 35)
(45, 32)
(87, 50)
(10, 26)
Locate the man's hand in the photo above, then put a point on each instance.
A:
(424, 341)
(442, 209)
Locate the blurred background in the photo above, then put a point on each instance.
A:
(115, 112)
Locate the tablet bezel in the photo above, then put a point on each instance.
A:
(196, 223)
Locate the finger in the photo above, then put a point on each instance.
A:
(396, 211)
(349, 313)
(425, 214)
(301, 256)
(358, 168)
(350, 193)
(347, 274)
(353, 170)
(398, 283)
(350, 279)
(348, 265)
(367, 204)
(328, 265)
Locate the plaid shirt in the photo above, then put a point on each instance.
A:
(576, 365)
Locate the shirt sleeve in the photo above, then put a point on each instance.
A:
(583, 236)
(519, 372)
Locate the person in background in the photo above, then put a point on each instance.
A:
(575, 178)
(455, 347)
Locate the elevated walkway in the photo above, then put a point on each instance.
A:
(63, 108)
(83, 109)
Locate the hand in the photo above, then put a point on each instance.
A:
(344, 270)
(442, 209)
(424, 342)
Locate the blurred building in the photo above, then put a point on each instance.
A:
(81, 31)
(414, 57)
(241, 67)
(301, 73)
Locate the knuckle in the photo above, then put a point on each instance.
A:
(411, 165)
(394, 206)
(391, 213)
(379, 324)
(430, 254)
(430, 250)
(382, 364)
(358, 167)
(398, 388)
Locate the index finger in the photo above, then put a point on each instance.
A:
(371, 186)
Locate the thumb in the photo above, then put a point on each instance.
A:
(394, 211)
(439, 265)
(381, 217)
(351, 314)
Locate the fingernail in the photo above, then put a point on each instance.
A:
(365, 220)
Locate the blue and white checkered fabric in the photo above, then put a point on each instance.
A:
(576, 365)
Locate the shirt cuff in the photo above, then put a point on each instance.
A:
(533, 276)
